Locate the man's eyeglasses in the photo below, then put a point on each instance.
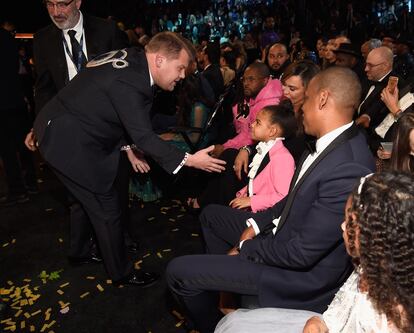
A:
(58, 5)
(373, 65)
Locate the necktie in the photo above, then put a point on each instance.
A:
(78, 56)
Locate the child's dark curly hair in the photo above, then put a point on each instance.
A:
(383, 228)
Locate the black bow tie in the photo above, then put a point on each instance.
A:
(311, 146)
(376, 83)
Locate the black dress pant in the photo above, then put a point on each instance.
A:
(195, 279)
(17, 159)
(102, 214)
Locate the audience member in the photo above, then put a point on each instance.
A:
(402, 146)
(211, 68)
(277, 59)
(375, 298)
(368, 46)
(348, 55)
(303, 261)
(295, 80)
(272, 167)
(14, 124)
(404, 59)
(372, 109)
(259, 91)
(397, 107)
(228, 66)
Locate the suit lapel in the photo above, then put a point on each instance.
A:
(58, 57)
(345, 136)
(90, 38)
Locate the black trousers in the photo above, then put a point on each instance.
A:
(195, 279)
(17, 159)
(99, 214)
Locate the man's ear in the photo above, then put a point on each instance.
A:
(159, 60)
(323, 98)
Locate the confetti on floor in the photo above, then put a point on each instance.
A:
(84, 294)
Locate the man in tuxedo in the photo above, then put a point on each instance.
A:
(80, 133)
(291, 255)
(372, 110)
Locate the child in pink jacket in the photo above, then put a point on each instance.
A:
(272, 167)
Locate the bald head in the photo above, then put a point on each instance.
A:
(379, 63)
(330, 100)
(343, 85)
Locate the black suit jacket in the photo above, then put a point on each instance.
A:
(81, 130)
(101, 36)
(213, 75)
(11, 96)
(373, 106)
(305, 261)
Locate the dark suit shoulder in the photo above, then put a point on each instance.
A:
(45, 32)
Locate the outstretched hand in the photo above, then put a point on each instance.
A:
(203, 161)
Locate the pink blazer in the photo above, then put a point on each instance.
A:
(271, 94)
(272, 183)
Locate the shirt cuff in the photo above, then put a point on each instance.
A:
(241, 244)
(252, 223)
(182, 163)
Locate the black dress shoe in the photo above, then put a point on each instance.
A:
(77, 261)
(132, 247)
(4, 309)
(139, 279)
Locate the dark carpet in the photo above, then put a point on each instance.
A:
(46, 294)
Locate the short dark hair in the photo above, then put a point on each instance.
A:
(283, 115)
(170, 44)
(260, 68)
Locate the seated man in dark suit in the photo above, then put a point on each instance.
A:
(372, 109)
(291, 255)
(211, 70)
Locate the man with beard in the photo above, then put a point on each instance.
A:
(277, 59)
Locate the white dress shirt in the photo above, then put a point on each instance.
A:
(79, 34)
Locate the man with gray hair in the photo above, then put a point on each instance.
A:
(368, 46)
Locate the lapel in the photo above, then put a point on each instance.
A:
(343, 137)
(58, 57)
(374, 98)
(90, 38)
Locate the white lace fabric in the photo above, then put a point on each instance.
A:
(352, 312)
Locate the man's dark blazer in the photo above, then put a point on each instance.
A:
(101, 36)
(373, 106)
(306, 261)
(213, 75)
(81, 130)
